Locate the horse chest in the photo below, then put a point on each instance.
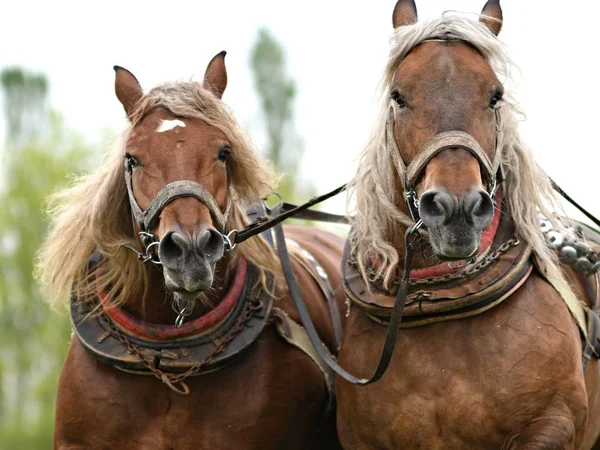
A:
(465, 383)
(259, 401)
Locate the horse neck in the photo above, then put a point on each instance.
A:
(156, 305)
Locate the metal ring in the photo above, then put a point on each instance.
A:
(185, 390)
(275, 193)
(149, 255)
(179, 320)
(229, 245)
(278, 204)
(417, 226)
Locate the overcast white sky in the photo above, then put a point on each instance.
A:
(336, 52)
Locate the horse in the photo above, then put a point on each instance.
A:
(496, 347)
(181, 338)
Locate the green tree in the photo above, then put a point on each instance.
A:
(25, 96)
(33, 339)
(277, 92)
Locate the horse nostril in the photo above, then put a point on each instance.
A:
(435, 207)
(479, 208)
(210, 244)
(172, 247)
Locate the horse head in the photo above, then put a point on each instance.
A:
(182, 163)
(444, 114)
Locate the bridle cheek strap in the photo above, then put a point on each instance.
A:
(410, 174)
(172, 191)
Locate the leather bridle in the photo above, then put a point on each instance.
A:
(147, 219)
(231, 238)
(410, 173)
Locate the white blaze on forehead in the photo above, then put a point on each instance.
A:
(167, 125)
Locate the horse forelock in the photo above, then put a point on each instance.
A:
(93, 214)
(374, 195)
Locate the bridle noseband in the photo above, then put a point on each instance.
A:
(147, 219)
(409, 174)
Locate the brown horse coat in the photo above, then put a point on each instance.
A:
(271, 397)
(510, 377)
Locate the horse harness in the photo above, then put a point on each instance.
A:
(480, 285)
(471, 290)
(147, 219)
(204, 345)
(465, 292)
(409, 175)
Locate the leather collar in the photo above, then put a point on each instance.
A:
(174, 355)
(467, 292)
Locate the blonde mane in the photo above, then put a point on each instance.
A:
(527, 191)
(94, 214)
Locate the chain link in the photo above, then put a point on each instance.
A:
(169, 379)
(463, 273)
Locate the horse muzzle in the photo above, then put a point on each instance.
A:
(455, 223)
(189, 260)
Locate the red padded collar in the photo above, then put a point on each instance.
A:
(159, 332)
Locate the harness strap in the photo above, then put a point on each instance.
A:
(592, 338)
(409, 174)
(297, 336)
(567, 197)
(443, 141)
(316, 271)
(395, 319)
(263, 223)
(313, 214)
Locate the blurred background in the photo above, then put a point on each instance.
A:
(303, 81)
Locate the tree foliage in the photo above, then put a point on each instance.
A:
(33, 338)
(25, 95)
(277, 92)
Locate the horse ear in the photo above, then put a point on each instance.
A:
(491, 16)
(215, 77)
(128, 89)
(405, 13)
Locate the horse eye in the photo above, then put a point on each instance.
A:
(131, 161)
(496, 98)
(224, 153)
(398, 99)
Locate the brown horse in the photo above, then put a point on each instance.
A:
(490, 351)
(144, 243)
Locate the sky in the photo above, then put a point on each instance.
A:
(336, 51)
